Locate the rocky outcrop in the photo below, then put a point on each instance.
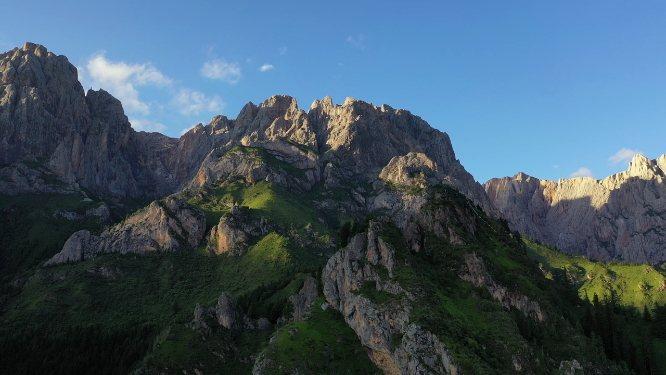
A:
(621, 217)
(304, 299)
(226, 313)
(251, 164)
(570, 368)
(396, 345)
(102, 211)
(172, 225)
(19, 178)
(477, 275)
(226, 238)
(412, 169)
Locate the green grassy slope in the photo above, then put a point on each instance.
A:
(33, 232)
(139, 306)
(633, 284)
(113, 293)
(322, 344)
(482, 337)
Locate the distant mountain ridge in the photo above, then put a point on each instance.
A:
(88, 140)
(621, 217)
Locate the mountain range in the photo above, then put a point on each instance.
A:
(344, 239)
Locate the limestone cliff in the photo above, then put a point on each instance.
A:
(621, 217)
(87, 139)
(379, 325)
(356, 140)
(84, 137)
(172, 225)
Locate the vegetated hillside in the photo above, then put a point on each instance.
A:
(345, 239)
(624, 303)
(450, 275)
(630, 284)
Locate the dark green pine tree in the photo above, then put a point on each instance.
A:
(343, 235)
(646, 315)
(659, 322)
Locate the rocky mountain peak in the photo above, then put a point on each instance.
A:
(41, 101)
(642, 167)
(327, 102)
(88, 139)
(620, 217)
(37, 49)
(281, 103)
(661, 162)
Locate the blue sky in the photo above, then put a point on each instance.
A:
(549, 88)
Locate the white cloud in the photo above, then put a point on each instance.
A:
(556, 166)
(624, 154)
(357, 42)
(283, 50)
(146, 125)
(6, 45)
(120, 79)
(581, 172)
(123, 80)
(222, 70)
(266, 67)
(194, 102)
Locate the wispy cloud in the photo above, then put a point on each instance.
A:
(624, 155)
(190, 127)
(194, 102)
(357, 42)
(582, 172)
(266, 67)
(124, 81)
(4, 46)
(146, 125)
(222, 70)
(121, 80)
(283, 50)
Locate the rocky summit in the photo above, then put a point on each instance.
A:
(342, 239)
(622, 217)
(87, 139)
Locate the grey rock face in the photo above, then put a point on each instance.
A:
(88, 139)
(227, 311)
(40, 101)
(103, 212)
(18, 178)
(419, 351)
(226, 238)
(478, 276)
(620, 217)
(411, 169)
(303, 299)
(172, 226)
